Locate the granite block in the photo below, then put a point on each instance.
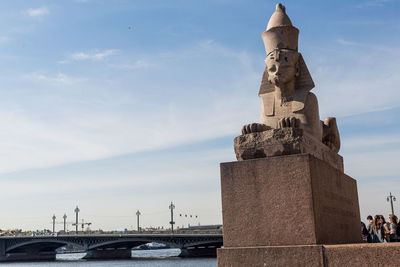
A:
(354, 255)
(359, 255)
(271, 256)
(288, 200)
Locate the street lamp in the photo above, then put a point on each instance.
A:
(391, 198)
(77, 210)
(54, 224)
(172, 207)
(138, 214)
(65, 223)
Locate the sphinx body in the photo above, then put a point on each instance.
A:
(286, 84)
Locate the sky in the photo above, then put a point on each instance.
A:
(119, 106)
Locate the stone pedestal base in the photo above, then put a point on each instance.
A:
(310, 256)
(354, 255)
(288, 200)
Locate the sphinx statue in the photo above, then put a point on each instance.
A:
(285, 90)
(288, 166)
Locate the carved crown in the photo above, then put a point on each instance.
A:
(280, 33)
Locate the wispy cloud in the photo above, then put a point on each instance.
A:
(4, 39)
(375, 142)
(138, 64)
(96, 55)
(361, 75)
(113, 108)
(59, 78)
(350, 43)
(37, 12)
(373, 3)
(371, 46)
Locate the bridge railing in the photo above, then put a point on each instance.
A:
(121, 233)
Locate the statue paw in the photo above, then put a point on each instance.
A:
(254, 127)
(331, 136)
(289, 122)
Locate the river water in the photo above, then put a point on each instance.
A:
(145, 258)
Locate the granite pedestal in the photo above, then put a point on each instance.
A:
(354, 255)
(288, 200)
(286, 206)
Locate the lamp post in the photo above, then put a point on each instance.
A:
(172, 207)
(138, 214)
(65, 222)
(391, 198)
(54, 224)
(76, 219)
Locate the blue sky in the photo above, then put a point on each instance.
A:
(123, 105)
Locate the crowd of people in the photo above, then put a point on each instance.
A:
(378, 230)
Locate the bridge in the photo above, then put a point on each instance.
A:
(106, 246)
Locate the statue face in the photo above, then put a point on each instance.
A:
(282, 66)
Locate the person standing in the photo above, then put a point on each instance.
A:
(393, 228)
(377, 230)
(364, 232)
(369, 226)
(386, 227)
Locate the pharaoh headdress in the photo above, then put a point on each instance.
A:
(281, 34)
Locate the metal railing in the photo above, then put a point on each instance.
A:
(113, 233)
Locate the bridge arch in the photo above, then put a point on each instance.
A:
(129, 243)
(54, 244)
(204, 243)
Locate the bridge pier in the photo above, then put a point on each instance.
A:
(193, 252)
(2, 250)
(28, 254)
(109, 253)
